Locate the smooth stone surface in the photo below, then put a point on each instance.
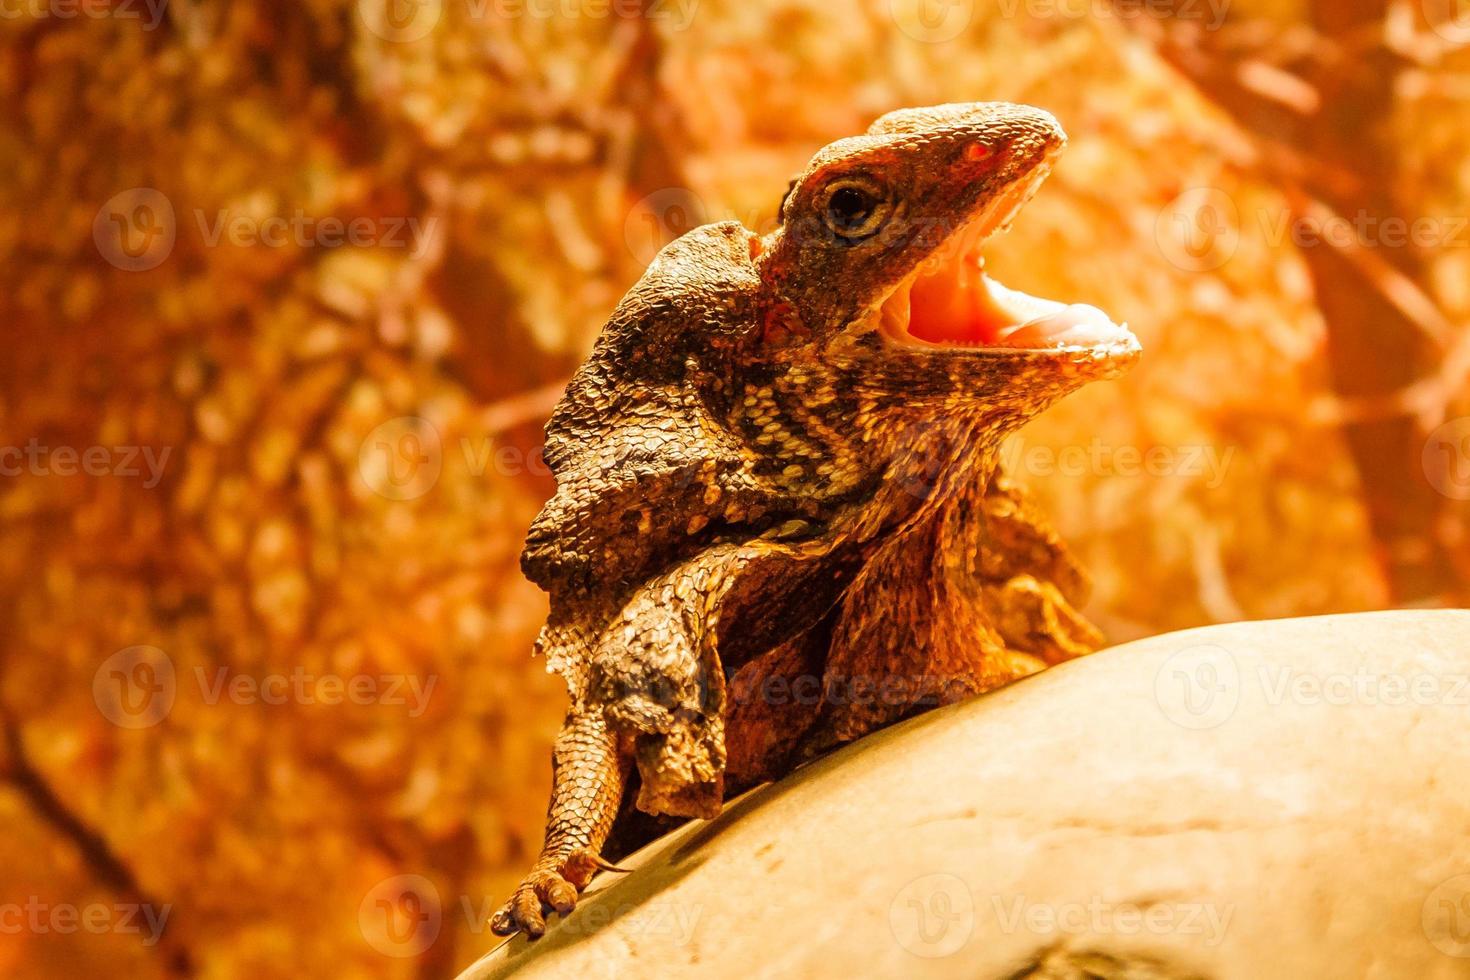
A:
(1274, 799)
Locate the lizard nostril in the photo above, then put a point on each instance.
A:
(977, 151)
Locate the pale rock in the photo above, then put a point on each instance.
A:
(1274, 799)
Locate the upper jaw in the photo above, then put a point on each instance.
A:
(948, 304)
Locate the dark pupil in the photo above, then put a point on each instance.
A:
(849, 208)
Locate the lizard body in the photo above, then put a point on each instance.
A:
(779, 521)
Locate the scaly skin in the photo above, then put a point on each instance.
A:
(777, 527)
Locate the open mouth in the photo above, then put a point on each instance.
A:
(948, 302)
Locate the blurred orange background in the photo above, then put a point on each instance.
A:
(290, 287)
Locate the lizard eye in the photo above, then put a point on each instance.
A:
(854, 209)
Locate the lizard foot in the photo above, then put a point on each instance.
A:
(554, 888)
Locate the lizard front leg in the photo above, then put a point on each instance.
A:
(589, 768)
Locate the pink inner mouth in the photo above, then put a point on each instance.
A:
(949, 301)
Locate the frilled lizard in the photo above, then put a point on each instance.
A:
(779, 521)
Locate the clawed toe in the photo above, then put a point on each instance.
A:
(521, 914)
(545, 891)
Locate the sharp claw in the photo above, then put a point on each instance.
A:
(581, 865)
(502, 924)
(609, 866)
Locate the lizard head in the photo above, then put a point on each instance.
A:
(801, 383)
(880, 265)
